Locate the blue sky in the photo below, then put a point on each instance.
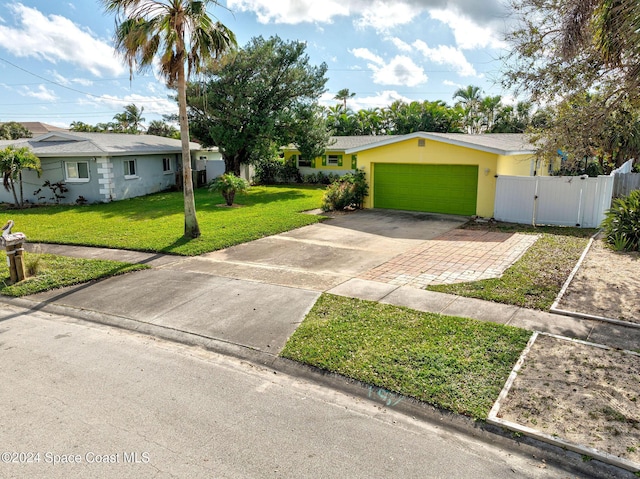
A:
(57, 64)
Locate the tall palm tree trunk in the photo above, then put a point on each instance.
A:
(191, 228)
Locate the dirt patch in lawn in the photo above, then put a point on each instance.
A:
(580, 393)
(606, 284)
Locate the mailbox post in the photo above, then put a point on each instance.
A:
(13, 244)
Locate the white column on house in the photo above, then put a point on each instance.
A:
(105, 178)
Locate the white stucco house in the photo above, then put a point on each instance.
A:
(101, 167)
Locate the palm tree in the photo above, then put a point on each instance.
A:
(179, 32)
(12, 161)
(131, 119)
(343, 95)
(469, 99)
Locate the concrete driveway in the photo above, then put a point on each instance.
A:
(321, 256)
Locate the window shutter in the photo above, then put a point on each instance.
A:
(324, 160)
(313, 162)
(354, 162)
(339, 160)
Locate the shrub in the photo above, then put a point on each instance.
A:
(622, 223)
(267, 171)
(347, 191)
(228, 185)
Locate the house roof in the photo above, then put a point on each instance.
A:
(37, 128)
(77, 144)
(498, 143)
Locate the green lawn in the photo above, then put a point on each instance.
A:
(58, 271)
(536, 278)
(156, 222)
(453, 363)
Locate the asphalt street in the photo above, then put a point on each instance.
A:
(84, 400)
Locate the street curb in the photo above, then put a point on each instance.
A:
(386, 400)
(493, 418)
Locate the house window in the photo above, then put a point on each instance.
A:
(77, 171)
(166, 165)
(130, 169)
(333, 160)
(302, 162)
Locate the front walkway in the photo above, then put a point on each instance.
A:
(454, 257)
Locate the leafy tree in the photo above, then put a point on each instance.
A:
(310, 134)
(582, 59)
(248, 106)
(161, 128)
(12, 161)
(176, 32)
(13, 130)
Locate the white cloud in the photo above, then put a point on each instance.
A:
(446, 55)
(151, 104)
(56, 39)
(63, 80)
(468, 34)
(367, 54)
(382, 17)
(453, 84)
(379, 100)
(291, 11)
(401, 70)
(400, 45)
(42, 93)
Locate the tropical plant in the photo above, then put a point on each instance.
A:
(622, 222)
(130, 121)
(178, 32)
(343, 95)
(470, 99)
(12, 161)
(57, 191)
(229, 185)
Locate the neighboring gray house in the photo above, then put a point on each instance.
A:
(100, 167)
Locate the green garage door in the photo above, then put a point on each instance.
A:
(450, 189)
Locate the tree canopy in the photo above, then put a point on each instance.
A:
(581, 58)
(251, 103)
(12, 130)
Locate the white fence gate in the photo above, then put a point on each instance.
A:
(558, 200)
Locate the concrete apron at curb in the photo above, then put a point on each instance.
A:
(528, 445)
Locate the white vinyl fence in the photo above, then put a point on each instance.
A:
(625, 183)
(558, 200)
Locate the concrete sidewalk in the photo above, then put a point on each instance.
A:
(189, 295)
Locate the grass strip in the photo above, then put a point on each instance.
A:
(453, 363)
(156, 222)
(536, 278)
(55, 271)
